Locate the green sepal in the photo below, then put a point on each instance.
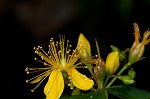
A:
(75, 91)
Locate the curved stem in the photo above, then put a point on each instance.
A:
(123, 68)
(107, 78)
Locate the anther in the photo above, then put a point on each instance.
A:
(45, 64)
(27, 72)
(26, 69)
(69, 84)
(32, 90)
(70, 45)
(27, 81)
(86, 67)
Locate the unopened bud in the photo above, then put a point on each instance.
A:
(136, 53)
(112, 62)
(138, 47)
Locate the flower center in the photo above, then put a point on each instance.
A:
(63, 62)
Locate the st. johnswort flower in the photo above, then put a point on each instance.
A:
(57, 60)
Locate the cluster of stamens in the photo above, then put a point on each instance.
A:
(58, 57)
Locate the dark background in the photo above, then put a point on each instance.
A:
(28, 23)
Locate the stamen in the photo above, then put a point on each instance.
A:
(68, 58)
(98, 50)
(39, 83)
(38, 60)
(76, 54)
(79, 66)
(43, 51)
(53, 52)
(34, 70)
(66, 52)
(48, 71)
(49, 59)
(54, 55)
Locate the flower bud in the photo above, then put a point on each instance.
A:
(112, 62)
(136, 54)
(137, 49)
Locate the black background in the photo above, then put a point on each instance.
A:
(28, 23)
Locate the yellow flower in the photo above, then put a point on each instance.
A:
(112, 62)
(137, 49)
(59, 59)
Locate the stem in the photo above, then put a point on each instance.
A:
(101, 84)
(106, 80)
(123, 68)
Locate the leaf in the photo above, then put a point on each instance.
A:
(128, 92)
(87, 95)
(126, 79)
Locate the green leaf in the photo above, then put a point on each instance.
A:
(87, 95)
(128, 92)
(132, 73)
(126, 79)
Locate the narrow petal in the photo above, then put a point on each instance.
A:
(55, 85)
(136, 33)
(80, 80)
(83, 40)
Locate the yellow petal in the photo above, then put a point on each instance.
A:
(80, 80)
(82, 40)
(55, 85)
(112, 62)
